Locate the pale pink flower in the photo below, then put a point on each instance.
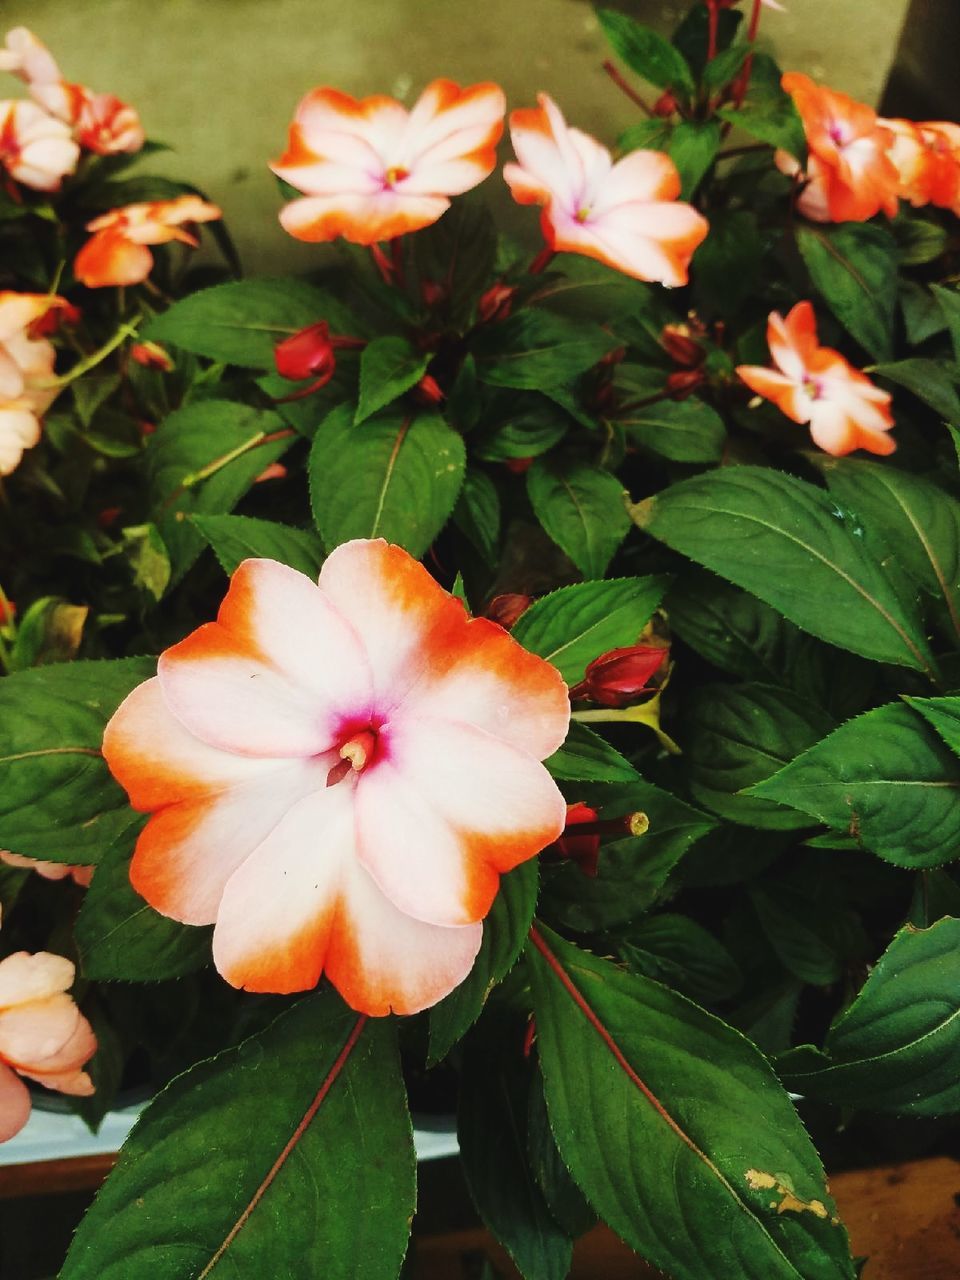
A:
(28, 58)
(36, 149)
(26, 370)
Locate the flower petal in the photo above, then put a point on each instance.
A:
(25, 977)
(14, 1103)
(786, 394)
(361, 219)
(109, 258)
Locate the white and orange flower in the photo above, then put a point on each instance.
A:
(117, 253)
(28, 58)
(926, 155)
(36, 149)
(371, 170)
(338, 772)
(625, 214)
(850, 174)
(49, 870)
(26, 371)
(816, 385)
(43, 1035)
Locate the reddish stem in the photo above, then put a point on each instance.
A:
(383, 263)
(714, 19)
(621, 84)
(541, 261)
(743, 80)
(396, 254)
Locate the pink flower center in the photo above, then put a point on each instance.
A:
(582, 214)
(839, 134)
(355, 754)
(813, 387)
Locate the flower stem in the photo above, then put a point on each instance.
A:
(382, 263)
(126, 330)
(622, 85)
(713, 19)
(541, 261)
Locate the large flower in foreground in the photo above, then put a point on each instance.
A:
(117, 253)
(371, 170)
(36, 149)
(816, 385)
(43, 1035)
(625, 214)
(850, 175)
(26, 370)
(338, 773)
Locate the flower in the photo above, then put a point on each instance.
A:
(371, 170)
(28, 58)
(49, 870)
(338, 772)
(35, 148)
(850, 174)
(927, 159)
(618, 677)
(26, 365)
(43, 1035)
(818, 386)
(150, 355)
(100, 121)
(625, 214)
(117, 253)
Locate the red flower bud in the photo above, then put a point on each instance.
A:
(506, 609)
(275, 471)
(431, 292)
(146, 428)
(151, 356)
(307, 354)
(8, 611)
(108, 517)
(683, 383)
(496, 303)
(665, 105)
(680, 346)
(584, 850)
(428, 390)
(518, 465)
(618, 677)
(59, 313)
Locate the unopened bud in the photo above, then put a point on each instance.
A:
(151, 356)
(665, 105)
(8, 611)
(428, 391)
(683, 383)
(680, 346)
(60, 312)
(108, 517)
(496, 303)
(275, 471)
(518, 465)
(307, 354)
(618, 677)
(431, 292)
(507, 608)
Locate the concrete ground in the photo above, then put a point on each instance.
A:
(219, 79)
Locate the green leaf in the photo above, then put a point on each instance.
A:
(887, 779)
(767, 113)
(536, 349)
(686, 1127)
(458, 252)
(632, 871)
(721, 70)
(897, 1046)
(789, 544)
(503, 933)
(564, 1198)
(492, 1127)
(236, 538)
(929, 381)
(918, 240)
(646, 135)
(803, 927)
(307, 1130)
(582, 509)
(242, 322)
(949, 300)
(388, 367)
(586, 757)
(692, 35)
(50, 631)
(147, 555)
(572, 626)
(922, 315)
(728, 266)
(531, 427)
(676, 950)
(854, 267)
(693, 147)
(58, 800)
(919, 521)
(121, 938)
(202, 460)
(397, 476)
(736, 735)
(647, 53)
(680, 431)
(477, 514)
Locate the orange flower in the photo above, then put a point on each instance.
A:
(371, 170)
(816, 385)
(117, 253)
(26, 369)
(625, 214)
(850, 174)
(35, 148)
(927, 158)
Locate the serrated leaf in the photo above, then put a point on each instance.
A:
(388, 367)
(477, 514)
(236, 538)
(944, 715)
(242, 322)
(854, 267)
(397, 476)
(681, 431)
(307, 1126)
(687, 1128)
(536, 349)
(768, 113)
(504, 931)
(646, 52)
(58, 800)
(675, 949)
(723, 68)
(564, 1198)
(789, 544)
(586, 757)
(897, 1046)
(886, 778)
(581, 508)
(573, 625)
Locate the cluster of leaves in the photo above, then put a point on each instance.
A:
(625, 1043)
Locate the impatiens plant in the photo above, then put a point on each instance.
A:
(484, 672)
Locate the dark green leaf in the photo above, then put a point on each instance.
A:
(647, 53)
(477, 513)
(929, 382)
(397, 476)
(767, 113)
(806, 935)
(692, 36)
(922, 315)
(582, 509)
(564, 1198)
(530, 427)
(57, 798)
(388, 367)
(236, 538)
(672, 1122)
(147, 555)
(586, 757)
(727, 267)
(646, 135)
(307, 1130)
(887, 779)
(854, 267)
(949, 300)
(918, 240)
(458, 254)
(897, 1046)
(788, 543)
(676, 950)
(944, 715)
(722, 69)
(684, 431)
(693, 146)
(536, 349)
(572, 626)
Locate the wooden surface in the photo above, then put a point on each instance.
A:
(905, 1218)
